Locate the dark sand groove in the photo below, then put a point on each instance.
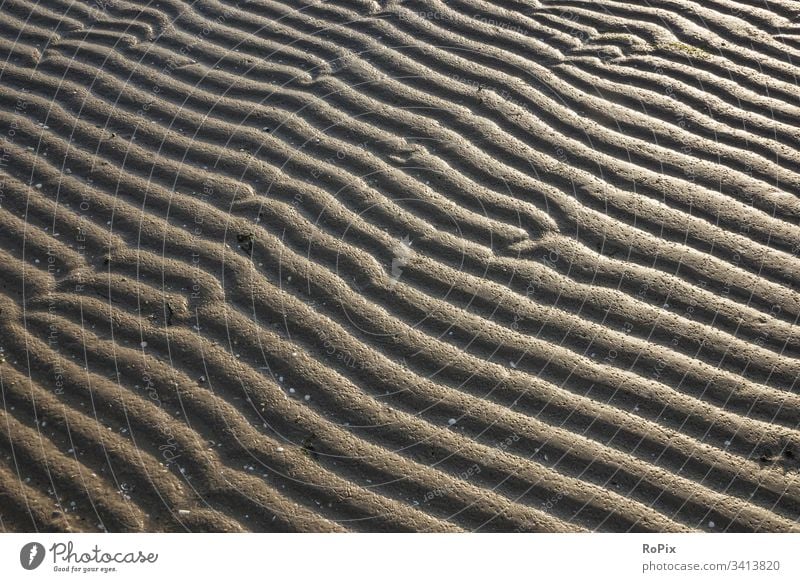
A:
(281, 266)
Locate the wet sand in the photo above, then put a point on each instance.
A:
(399, 266)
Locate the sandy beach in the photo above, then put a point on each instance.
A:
(399, 266)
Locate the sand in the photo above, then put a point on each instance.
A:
(522, 266)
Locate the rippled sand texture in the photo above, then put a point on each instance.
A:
(399, 266)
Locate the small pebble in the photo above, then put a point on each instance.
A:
(451, 422)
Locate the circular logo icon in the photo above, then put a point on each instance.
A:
(31, 555)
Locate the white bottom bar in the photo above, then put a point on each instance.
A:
(396, 557)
